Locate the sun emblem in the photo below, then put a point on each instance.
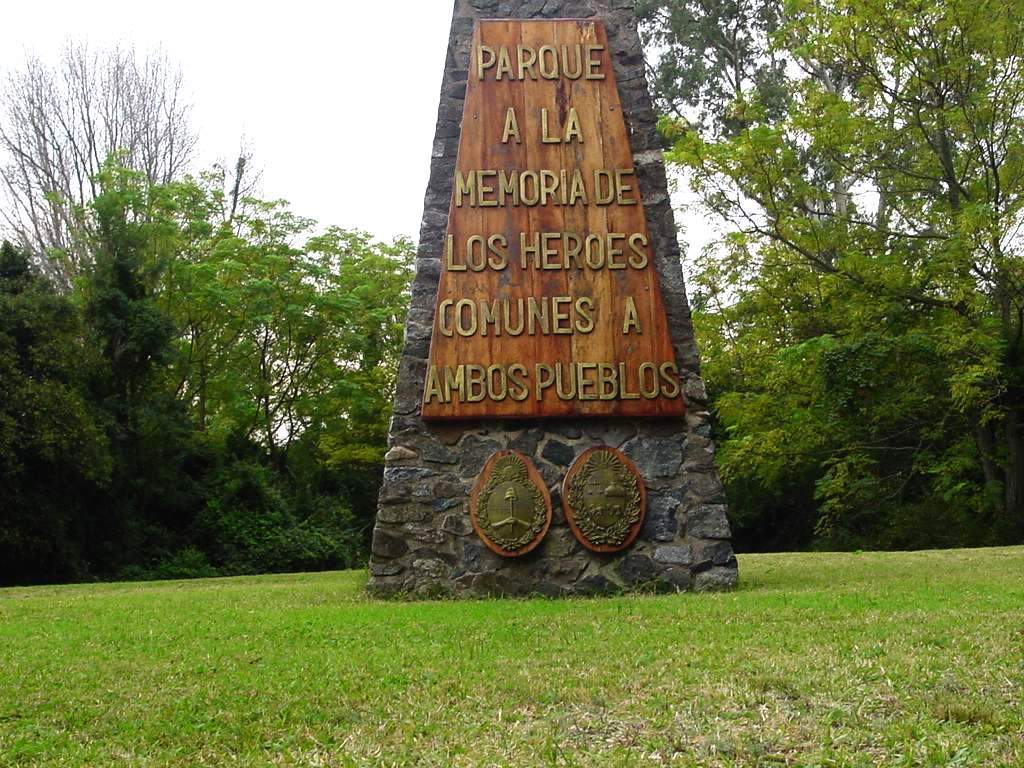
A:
(510, 508)
(603, 496)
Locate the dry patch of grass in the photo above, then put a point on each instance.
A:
(902, 659)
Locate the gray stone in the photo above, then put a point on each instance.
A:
(707, 554)
(596, 584)
(661, 456)
(477, 558)
(673, 555)
(660, 522)
(440, 505)
(475, 451)
(399, 475)
(708, 521)
(388, 545)
(614, 434)
(431, 568)
(678, 579)
(567, 429)
(403, 513)
(460, 525)
(558, 453)
(706, 487)
(527, 441)
(637, 569)
(715, 580)
(437, 453)
(399, 453)
(448, 489)
(560, 542)
(389, 568)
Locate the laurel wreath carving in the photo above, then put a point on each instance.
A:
(616, 531)
(511, 469)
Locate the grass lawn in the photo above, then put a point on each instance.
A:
(819, 659)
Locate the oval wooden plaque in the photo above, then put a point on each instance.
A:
(509, 505)
(604, 499)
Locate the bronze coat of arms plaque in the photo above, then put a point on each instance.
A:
(510, 506)
(604, 499)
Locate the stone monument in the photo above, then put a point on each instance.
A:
(550, 432)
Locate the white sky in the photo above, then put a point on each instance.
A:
(337, 100)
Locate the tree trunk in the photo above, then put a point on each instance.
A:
(1011, 526)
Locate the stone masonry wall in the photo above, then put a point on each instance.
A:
(423, 542)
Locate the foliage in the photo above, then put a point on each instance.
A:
(214, 396)
(54, 453)
(862, 320)
(866, 660)
(59, 124)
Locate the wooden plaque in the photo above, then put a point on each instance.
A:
(604, 499)
(510, 506)
(549, 302)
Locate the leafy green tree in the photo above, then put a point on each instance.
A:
(54, 453)
(134, 230)
(868, 297)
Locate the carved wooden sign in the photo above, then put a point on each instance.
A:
(510, 506)
(604, 499)
(549, 302)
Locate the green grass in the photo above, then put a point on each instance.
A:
(819, 659)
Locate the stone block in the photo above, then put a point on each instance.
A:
(388, 545)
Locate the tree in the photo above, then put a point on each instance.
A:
(874, 252)
(54, 452)
(709, 54)
(59, 125)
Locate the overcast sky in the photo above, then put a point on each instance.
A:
(337, 101)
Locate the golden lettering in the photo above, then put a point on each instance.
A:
(637, 242)
(624, 393)
(525, 195)
(631, 319)
(565, 389)
(465, 187)
(485, 59)
(585, 309)
(519, 389)
(511, 127)
(613, 252)
(450, 264)
(649, 391)
(537, 315)
(621, 188)
(573, 130)
(444, 327)
(560, 319)
(476, 385)
(493, 391)
(545, 133)
(489, 316)
(671, 386)
(544, 376)
(572, 74)
(584, 382)
(454, 381)
(602, 196)
(462, 328)
(547, 57)
(433, 387)
(526, 59)
(484, 189)
(593, 63)
(504, 68)
(607, 381)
